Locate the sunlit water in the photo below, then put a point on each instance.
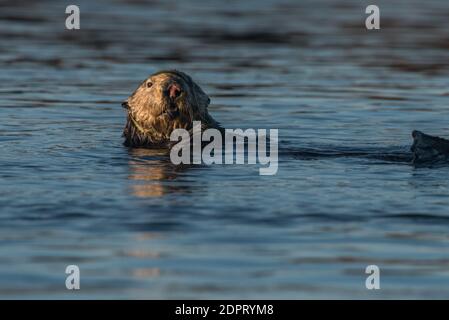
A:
(138, 227)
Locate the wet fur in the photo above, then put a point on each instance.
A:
(147, 107)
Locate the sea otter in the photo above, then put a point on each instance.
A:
(168, 100)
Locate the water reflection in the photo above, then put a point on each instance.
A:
(150, 171)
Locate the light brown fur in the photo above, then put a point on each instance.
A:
(148, 122)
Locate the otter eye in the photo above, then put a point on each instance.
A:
(149, 84)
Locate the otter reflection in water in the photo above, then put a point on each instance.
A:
(151, 172)
(170, 100)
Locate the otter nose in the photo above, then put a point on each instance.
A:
(174, 90)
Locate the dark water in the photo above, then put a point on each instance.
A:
(137, 227)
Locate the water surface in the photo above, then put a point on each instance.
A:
(71, 193)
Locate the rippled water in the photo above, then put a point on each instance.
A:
(71, 193)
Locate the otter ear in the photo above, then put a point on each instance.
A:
(125, 104)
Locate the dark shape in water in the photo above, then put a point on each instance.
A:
(429, 149)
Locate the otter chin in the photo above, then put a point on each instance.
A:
(165, 101)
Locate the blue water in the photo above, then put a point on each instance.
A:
(138, 227)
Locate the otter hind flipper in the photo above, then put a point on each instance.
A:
(429, 149)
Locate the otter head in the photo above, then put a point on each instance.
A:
(167, 100)
(428, 149)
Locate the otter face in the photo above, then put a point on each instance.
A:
(167, 100)
(429, 149)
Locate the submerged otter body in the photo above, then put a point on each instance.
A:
(169, 100)
(165, 101)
